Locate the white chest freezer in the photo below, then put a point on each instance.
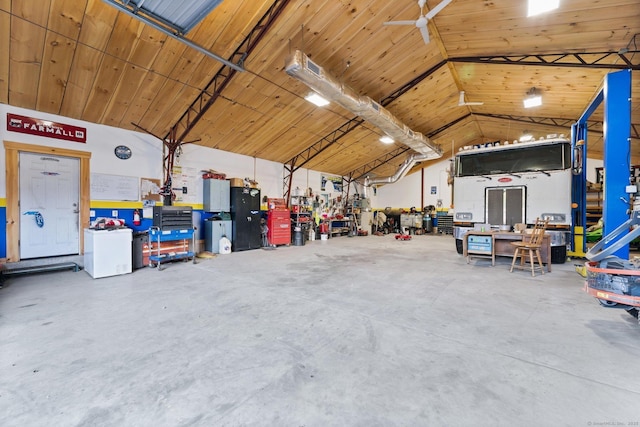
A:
(107, 252)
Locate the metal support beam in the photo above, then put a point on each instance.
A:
(168, 28)
(591, 125)
(310, 153)
(606, 60)
(179, 131)
(214, 88)
(365, 170)
(318, 147)
(578, 188)
(603, 60)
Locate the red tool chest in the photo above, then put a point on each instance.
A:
(279, 223)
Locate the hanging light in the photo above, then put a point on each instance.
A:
(533, 99)
(536, 7)
(316, 99)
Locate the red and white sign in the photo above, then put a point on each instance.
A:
(45, 128)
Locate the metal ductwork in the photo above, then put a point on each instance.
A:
(302, 68)
(400, 173)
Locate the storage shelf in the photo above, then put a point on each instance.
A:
(593, 207)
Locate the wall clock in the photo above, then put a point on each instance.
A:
(122, 152)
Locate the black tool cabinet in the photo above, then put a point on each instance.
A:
(245, 217)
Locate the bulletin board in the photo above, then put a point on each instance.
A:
(114, 187)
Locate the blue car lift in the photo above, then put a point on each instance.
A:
(616, 94)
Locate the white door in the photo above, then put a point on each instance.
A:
(49, 205)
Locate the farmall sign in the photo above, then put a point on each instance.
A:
(45, 128)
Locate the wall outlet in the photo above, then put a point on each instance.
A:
(92, 213)
(114, 214)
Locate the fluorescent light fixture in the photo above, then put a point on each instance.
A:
(533, 99)
(526, 137)
(386, 139)
(316, 99)
(536, 7)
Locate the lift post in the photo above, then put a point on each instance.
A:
(616, 94)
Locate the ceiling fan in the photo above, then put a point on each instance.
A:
(461, 101)
(421, 22)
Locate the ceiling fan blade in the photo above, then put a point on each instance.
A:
(399, 23)
(425, 34)
(437, 9)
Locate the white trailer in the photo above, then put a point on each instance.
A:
(502, 184)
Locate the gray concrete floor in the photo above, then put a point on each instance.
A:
(354, 331)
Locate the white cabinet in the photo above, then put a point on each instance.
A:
(107, 252)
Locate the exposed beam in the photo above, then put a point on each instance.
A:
(299, 160)
(447, 126)
(607, 60)
(410, 84)
(296, 162)
(365, 170)
(167, 28)
(214, 88)
(592, 125)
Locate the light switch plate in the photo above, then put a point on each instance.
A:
(114, 214)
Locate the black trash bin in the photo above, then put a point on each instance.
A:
(298, 236)
(427, 224)
(137, 245)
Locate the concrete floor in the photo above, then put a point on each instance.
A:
(354, 331)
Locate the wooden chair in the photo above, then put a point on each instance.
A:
(530, 247)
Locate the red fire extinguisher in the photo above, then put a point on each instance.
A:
(136, 217)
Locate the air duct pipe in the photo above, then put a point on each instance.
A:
(302, 68)
(400, 173)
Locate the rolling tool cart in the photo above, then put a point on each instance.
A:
(187, 239)
(175, 224)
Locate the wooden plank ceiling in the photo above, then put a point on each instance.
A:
(84, 59)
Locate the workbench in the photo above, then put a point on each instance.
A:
(500, 245)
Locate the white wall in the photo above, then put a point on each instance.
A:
(407, 192)
(146, 159)
(268, 174)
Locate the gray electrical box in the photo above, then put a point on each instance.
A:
(216, 195)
